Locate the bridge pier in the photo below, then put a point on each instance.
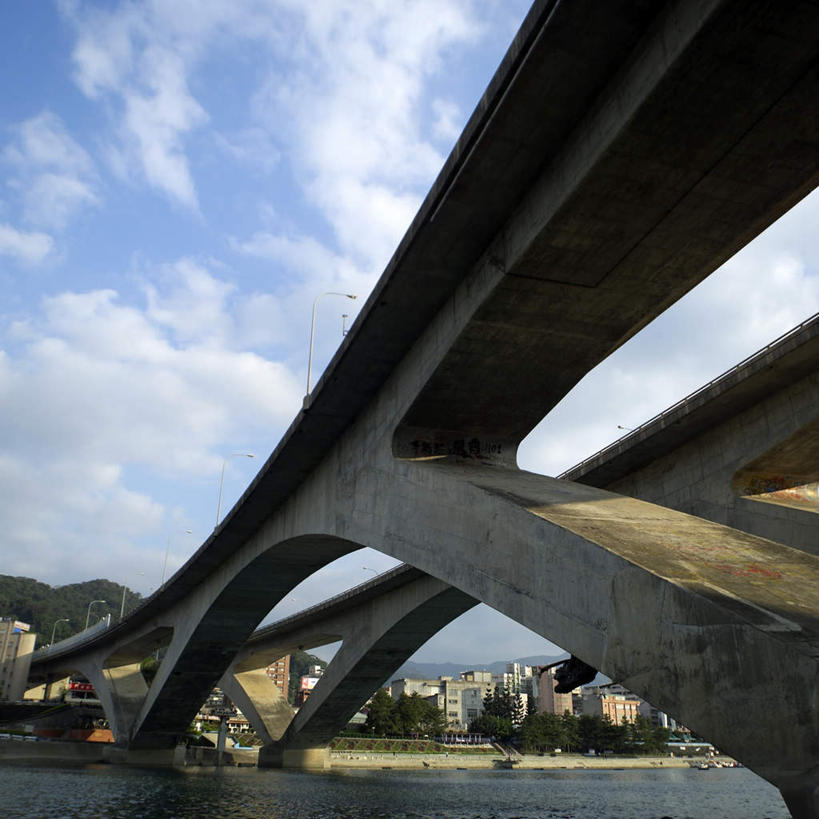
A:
(802, 798)
(276, 755)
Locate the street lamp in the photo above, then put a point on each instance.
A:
(54, 630)
(124, 588)
(313, 331)
(222, 479)
(165, 564)
(88, 615)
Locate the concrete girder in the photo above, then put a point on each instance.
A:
(625, 217)
(712, 106)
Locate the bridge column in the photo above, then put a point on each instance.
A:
(276, 755)
(802, 798)
(121, 691)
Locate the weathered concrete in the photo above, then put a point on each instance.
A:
(622, 153)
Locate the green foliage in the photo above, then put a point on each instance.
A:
(545, 732)
(493, 726)
(42, 605)
(381, 714)
(362, 744)
(149, 666)
(409, 716)
(502, 703)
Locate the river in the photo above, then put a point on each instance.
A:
(114, 792)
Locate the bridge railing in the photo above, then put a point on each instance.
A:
(74, 639)
(635, 433)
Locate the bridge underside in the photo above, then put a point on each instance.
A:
(624, 152)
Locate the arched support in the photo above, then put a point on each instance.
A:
(264, 706)
(121, 690)
(716, 627)
(218, 618)
(381, 641)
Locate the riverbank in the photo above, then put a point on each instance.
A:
(345, 759)
(91, 752)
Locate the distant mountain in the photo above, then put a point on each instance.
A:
(41, 605)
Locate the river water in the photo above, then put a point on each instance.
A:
(113, 792)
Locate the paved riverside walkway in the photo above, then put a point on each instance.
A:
(356, 759)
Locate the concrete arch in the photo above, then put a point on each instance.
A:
(217, 619)
(379, 627)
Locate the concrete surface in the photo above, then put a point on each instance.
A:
(623, 151)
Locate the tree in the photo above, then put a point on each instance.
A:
(381, 714)
(570, 732)
(492, 726)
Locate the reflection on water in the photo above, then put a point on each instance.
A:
(128, 793)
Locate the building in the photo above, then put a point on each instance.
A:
(461, 700)
(279, 674)
(16, 648)
(307, 683)
(549, 702)
(480, 677)
(612, 701)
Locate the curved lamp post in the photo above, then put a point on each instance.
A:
(88, 615)
(313, 331)
(54, 630)
(222, 479)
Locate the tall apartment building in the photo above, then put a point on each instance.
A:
(16, 648)
(279, 673)
(549, 702)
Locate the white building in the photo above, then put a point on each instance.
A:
(461, 700)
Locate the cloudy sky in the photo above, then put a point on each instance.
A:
(180, 181)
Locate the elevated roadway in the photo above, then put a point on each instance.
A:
(743, 450)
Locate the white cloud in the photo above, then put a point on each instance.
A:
(30, 248)
(765, 290)
(448, 120)
(103, 403)
(352, 123)
(53, 173)
(156, 120)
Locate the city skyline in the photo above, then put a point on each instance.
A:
(180, 185)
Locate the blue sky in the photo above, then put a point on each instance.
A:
(181, 180)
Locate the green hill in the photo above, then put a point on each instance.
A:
(42, 605)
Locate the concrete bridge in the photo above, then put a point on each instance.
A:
(743, 450)
(622, 152)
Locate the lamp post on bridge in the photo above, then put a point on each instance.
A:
(222, 479)
(88, 614)
(54, 630)
(313, 332)
(125, 588)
